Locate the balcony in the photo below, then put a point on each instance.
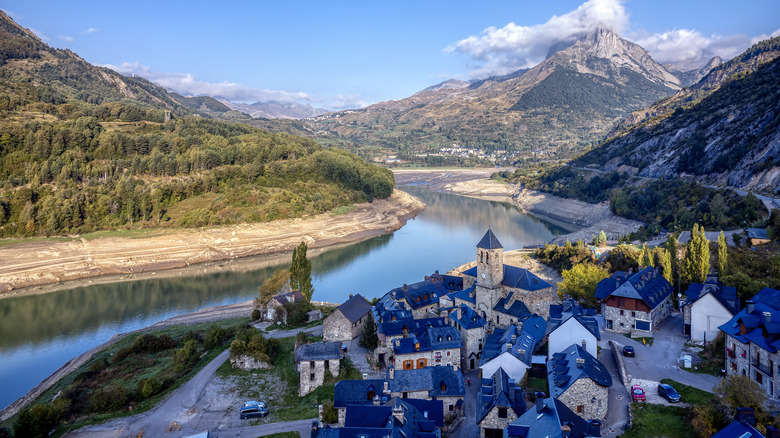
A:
(763, 368)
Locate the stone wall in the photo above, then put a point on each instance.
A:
(739, 365)
(472, 339)
(311, 378)
(491, 420)
(765, 372)
(447, 402)
(579, 397)
(415, 395)
(414, 356)
(336, 327)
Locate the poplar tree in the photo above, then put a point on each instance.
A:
(696, 263)
(666, 265)
(671, 248)
(723, 254)
(647, 258)
(300, 271)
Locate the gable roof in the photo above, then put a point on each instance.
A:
(563, 370)
(428, 291)
(355, 392)
(726, 295)
(466, 294)
(560, 313)
(499, 391)
(467, 318)
(738, 429)
(414, 327)
(421, 419)
(318, 351)
(757, 233)
(547, 421)
(516, 309)
(450, 338)
(515, 277)
(489, 241)
(759, 322)
(521, 347)
(289, 297)
(429, 379)
(354, 308)
(646, 285)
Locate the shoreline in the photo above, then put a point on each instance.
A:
(45, 266)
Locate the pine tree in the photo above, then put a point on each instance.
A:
(723, 254)
(300, 271)
(368, 337)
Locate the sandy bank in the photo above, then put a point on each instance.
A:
(36, 263)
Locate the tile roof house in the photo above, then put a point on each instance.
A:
(423, 296)
(359, 392)
(744, 426)
(274, 308)
(404, 326)
(706, 307)
(313, 360)
(580, 381)
(346, 322)
(472, 332)
(550, 418)
(634, 301)
(511, 349)
(569, 324)
(398, 418)
(437, 346)
(500, 402)
(753, 341)
(430, 383)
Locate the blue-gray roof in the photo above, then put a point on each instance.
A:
(737, 429)
(422, 419)
(439, 381)
(489, 241)
(515, 277)
(318, 351)
(410, 326)
(434, 338)
(467, 318)
(646, 285)
(422, 293)
(356, 392)
(354, 308)
(726, 295)
(523, 345)
(499, 391)
(762, 325)
(517, 309)
(547, 422)
(560, 313)
(465, 294)
(757, 233)
(563, 370)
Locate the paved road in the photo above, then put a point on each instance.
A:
(182, 403)
(468, 427)
(616, 420)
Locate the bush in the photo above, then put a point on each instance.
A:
(148, 387)
(35, 422)
(186, 357)
(108, 399)
(252, 343)
(297, 312)
(256, 314)
(330, 414)
(216, 336)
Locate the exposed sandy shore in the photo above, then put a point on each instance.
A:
(36, 263)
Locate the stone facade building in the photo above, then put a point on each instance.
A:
(313, 361)
(550, 418)
(430, 383)
(422, 298)
(753, 341)
(707, 306)
(472, 333)
(439, 346)
(634, 301)
(274, 309)
(579, 381)
(346, 322)
(500, 402)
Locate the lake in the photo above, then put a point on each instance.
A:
(39, 333)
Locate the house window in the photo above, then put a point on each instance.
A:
(580, 409)
(633, 314)
(405, 395)
(370, 395)
(497, 319)
(501, 412)
(609, 324)
(449, 337)
(621, 312)
(311, 376)
(759, 378)
(311, 364)
(421, 363)
(448, 352)
(327, 364)
(438, 356)
(440, 338)
(734, 366)
(451, 408)
(408, 364)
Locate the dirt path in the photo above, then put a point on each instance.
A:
(46, 262)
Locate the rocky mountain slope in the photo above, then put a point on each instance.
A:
(275, 110)
(724, 130)
(564, 104)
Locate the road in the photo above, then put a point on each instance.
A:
(184, 402)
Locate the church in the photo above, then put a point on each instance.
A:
(502, 294)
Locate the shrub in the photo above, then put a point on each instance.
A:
(35, 422)
(330, 414)
(186, 357)
(216, 336)
(108, 399)
(255, 314)
(148, 387)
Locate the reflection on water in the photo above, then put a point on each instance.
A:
(38, 333)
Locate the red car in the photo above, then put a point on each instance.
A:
(638, 394)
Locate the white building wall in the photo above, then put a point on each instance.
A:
(707, 314)
(568, 333)
(513, 367)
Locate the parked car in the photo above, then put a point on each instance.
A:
(638, 394)
(253, 409)
(628, 351)
(669, 393)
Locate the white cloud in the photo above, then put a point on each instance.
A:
(90, 31)
(500, 51)
(187, 84)
(66, 38)
(40, 35)
(347, 101)
(690, 49)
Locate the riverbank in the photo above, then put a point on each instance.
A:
(590, 218)
(45, 262)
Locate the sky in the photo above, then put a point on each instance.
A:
(348, 54)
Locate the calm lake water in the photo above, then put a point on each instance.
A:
(39, 333)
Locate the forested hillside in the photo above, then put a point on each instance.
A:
(83, 148)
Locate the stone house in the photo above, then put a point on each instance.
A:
(753, 341)
(550, 418)
(579, 381)
(274, 308)
(430, 383)
(472, 333)
(505, 294)
(399, 418)
(422, 298)
(570, 324)
(634, 301)
(403, 327)
(512, 348)
(438, 346)
(346, 322)
(707, 306)
(312, 362)
(500, 402)
(359, 393)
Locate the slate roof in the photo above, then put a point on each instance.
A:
(563, 370)
(753, 327)
(465, 294)
(289, 297)
(422, 293)
(429, 379)
(416, 327)
(560, 313)
(354, 308)
(646, 285)
(757, 233)
(499, 391)
(517, 309)
(547, 422)
(318, 351)
(518, 278)
(450, 338)
(489, 241)
(522, 347)
(726, 295)
(355, 392)
(467, 318)
(379, 421)
(737, 429)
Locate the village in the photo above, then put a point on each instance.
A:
(494, 352)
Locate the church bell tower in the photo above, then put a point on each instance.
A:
(490, 273)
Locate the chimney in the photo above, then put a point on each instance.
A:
(350, 296)
(585, 345)
(566, 430)
(767, 317)
(595, 427)
(539, 402)
(514, 337)
(405, 287)
(567, 304)
(746, 416)
(580, 362)
(398, 413)
(391, 373)
(772, 432)
(751, 306)
(386, 388)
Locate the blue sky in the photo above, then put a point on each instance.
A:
(345, 54)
